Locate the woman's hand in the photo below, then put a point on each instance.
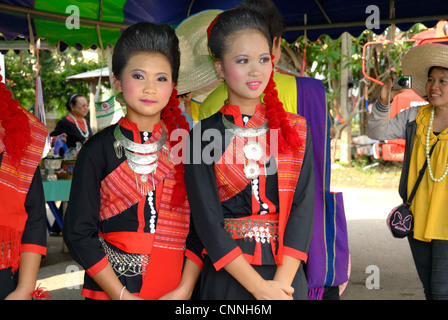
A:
(260, 288)
(129, 296)
(187, 283)
(273, 290)
(387, 94)
(177, 294)
(19, 294)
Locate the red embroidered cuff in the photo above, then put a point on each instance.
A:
(97, 267)
(195, 258)
(295, 254)
(227, 258)
(27, 247)
(96, 295)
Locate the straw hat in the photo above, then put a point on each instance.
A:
(197, 69)
(417, 62)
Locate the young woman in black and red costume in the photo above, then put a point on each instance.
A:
(252, 208)
(128, 216)
(23, 235)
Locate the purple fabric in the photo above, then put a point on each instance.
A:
(328, 255)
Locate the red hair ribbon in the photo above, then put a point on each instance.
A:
(175, 119)
(209, 29)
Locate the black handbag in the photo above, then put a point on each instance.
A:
(400, 220)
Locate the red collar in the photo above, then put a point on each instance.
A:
(132, 126)
(81, 123)
(236, 113)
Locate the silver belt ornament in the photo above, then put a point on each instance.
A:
(253, 229)
(125, 264)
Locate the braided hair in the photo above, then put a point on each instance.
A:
(221, 32)
(160, 38)
(15, 124)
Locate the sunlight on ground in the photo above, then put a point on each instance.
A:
(72, 280)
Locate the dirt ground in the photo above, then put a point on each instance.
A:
(378, 175)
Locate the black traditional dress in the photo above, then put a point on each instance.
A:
(261, 217)
(76, 132)
(115, 217)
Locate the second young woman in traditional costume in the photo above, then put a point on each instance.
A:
(23, 235)
(128, 216)
(252, 207)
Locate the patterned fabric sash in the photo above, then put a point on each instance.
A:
(229, 170)
(21, 180)
(231, 179)
(119, 192)
(229, 173)
(14, 185)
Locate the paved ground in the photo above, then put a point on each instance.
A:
(378, 260)
(374, 251)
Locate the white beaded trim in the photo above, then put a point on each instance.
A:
(84, 134)
(153, 218)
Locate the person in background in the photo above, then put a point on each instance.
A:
(185, 106)
(74, 127)
(422, 127)
(23, 236)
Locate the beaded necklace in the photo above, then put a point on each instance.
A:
(84, 134)
(428, 134)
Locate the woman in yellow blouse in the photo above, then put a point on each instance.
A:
(422, 127)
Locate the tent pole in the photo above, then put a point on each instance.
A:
(93, 122)
(323, 11)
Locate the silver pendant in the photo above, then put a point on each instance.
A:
(141, 159)
(142, 169)
(143, 178)
(253, 150)
(245, 132)
(251, 170)
(138, 147)
(118, 149)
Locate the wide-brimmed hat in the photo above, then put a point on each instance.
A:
(417, 62)
(197, 69)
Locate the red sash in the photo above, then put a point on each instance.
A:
(165, 247)
(14, 186)
(231, 179)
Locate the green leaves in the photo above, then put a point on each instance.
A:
(54, 68)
